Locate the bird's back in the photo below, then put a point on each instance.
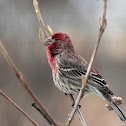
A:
(69, 68)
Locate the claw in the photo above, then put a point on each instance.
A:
(78, 105)
(72, 105)
(66, 94)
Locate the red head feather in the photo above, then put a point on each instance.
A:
(61, 42)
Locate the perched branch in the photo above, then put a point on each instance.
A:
(78, 112)
(85, 78)
(21, 78)
(17, 107)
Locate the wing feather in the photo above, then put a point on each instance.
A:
(73, 69)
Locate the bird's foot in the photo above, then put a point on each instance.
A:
(78, 105)
(66, 94)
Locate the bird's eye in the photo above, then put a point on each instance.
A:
(56, 39)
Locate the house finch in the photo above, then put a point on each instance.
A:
(68, 67)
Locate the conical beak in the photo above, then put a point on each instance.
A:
(48, 41)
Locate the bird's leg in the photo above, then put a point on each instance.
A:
(73, 101)
(78, 105)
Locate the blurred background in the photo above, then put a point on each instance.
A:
(19, 29)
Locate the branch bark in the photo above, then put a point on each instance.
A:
(102, 27)
(37, 10)
(44, 31)
(24, 84)
(17, 107)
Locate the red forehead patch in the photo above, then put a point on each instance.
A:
(59, 35)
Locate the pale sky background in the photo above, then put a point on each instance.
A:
(19, 29)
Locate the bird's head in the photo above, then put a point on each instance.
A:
(58, 42)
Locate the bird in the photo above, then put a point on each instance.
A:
(68, 67)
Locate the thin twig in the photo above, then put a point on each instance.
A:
(19, 109)
(21, 78)
(47, 31)
(35, 106)
(78, 112)
(85, 78)
(37, 10)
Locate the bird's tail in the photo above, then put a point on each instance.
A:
(113, 105)
(117, 110)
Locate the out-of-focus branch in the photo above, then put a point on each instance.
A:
(17, 107)
(78, 112)
(102, 27)
(21, 78)
(35, 106)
